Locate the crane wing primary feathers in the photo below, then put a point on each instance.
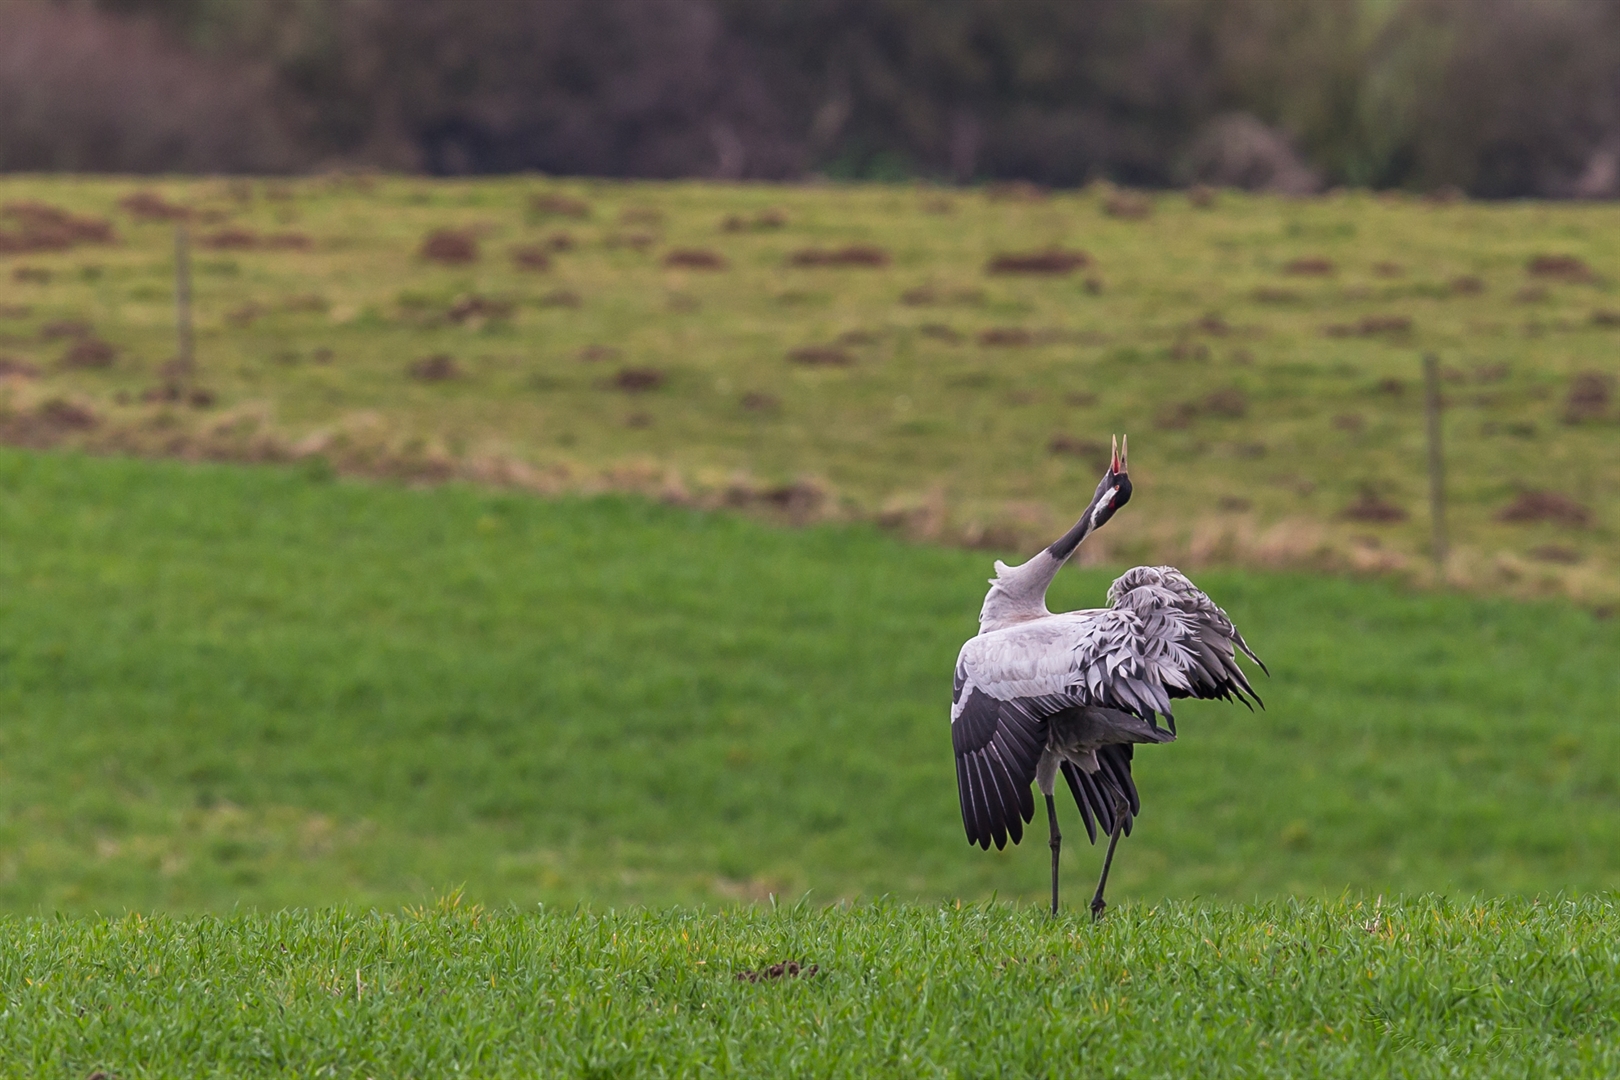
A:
(1160, 638)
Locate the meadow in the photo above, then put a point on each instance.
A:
(235, 686)
(343, 753)
(1420, 988)
(947, 364)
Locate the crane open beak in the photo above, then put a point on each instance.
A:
(1121, 451)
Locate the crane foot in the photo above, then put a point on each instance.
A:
(1098, 906)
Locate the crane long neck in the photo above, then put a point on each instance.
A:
(1061, 548)
(1019, 592)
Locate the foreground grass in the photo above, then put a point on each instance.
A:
(1421, 988)
(227, 686)
(1263, 402)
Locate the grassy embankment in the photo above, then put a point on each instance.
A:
(1264, 353)
(224, 685)
(1418, 988)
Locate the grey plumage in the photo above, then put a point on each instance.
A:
(1062, 686)
(1038, 693)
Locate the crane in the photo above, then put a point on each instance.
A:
(1037, 694)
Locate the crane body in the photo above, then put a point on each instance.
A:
(1037, 694)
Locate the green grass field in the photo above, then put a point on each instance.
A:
(274, 704)
(1420, 988)
(230, 686)
(1264, 353)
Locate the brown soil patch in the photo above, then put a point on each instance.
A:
(923, 295)
(1535, 506)
(1016, 191)
(531, 257)
(150, 206)
(638, 380)
(560, 241)
(287, 241)
(1006, 337)
(852, 255)
(940, 332)
(563, 298)
(36, 226)
(1466, 285)
(1370, 508)
(789, 969)
(761, 402)
(1128, 206)
(1228, 404)
(1556, 553)
(1371, 326)
(1201, 196)
(15, 311)
(31, 275)
(1606, 318)
(17, 366)
(762, 221)
(1589, 395)
(1275, 296)
(1388, 270)
(230, 240)
(592, 354)
(1177, 416)
(479, 307)
(820, 356)
(88, 354)
(440, 367)
(1213, 325)
(1559, 268)
(247, 240)
(1050, 261)
(799, 500)
(453, 247)
(551, 204)
(1351, 422)
(67, 415)
(695, 259)
(64, 328)
(1309, 266)
(174, 393)
(641, 215)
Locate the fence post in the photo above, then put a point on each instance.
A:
(183, 360)
(1437, 464)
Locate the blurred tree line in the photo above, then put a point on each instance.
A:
(1500, 98)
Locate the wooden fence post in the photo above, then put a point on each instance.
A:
(184, 361)
(1437, 464)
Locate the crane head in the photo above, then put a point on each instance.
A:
(1114, 491)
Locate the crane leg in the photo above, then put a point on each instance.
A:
(1057, 845)
(1098, 904)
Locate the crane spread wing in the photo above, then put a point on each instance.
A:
(1160, 638)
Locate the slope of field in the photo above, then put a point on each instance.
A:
(852, 352)
(1421, 988)
(224, 686)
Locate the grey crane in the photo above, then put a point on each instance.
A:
(1037, 694)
